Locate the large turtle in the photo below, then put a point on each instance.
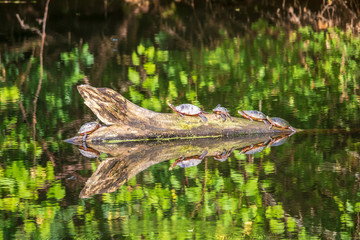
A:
(280, 123)
(189, 110)
(253, 115)
(223, 112)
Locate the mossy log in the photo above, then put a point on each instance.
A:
(126, 121)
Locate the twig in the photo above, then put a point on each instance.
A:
(43, 35)
(27, 27)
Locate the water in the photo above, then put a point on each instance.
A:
(306, 187)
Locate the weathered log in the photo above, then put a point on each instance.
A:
(127, 121)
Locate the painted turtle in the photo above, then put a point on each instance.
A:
(88, 128)
(223, 112)
(189, 110)
(89, 152)
(280, 123)
(279, 140)
(224, 155)
(253, 115)
(192, 161)
(252, 149)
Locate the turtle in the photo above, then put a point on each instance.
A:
(252, 149)
(280, 123)
(89, 152)
(224, 155)
(191, 161)
(189, 110)
(254, 115)
(279, 140)
(223, 112)
(88, 128)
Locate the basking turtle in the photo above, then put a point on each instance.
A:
(88, 128)
(223, 112)
(191, 161)
(253, 115)
(189, 110)
(280, 123)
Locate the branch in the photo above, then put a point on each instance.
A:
(27, 27)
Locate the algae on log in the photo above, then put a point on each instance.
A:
(127, 121)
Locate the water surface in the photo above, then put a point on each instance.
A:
(306, 187)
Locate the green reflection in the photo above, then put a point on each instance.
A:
(310, 78)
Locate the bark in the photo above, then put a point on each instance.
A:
(125, 121)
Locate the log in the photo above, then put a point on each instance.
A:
(125, 121)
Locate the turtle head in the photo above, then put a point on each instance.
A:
(170, 105)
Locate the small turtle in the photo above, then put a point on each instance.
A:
(224, 155)
(88, 128)
(253, 115)
(223, 112)
(89, 152)
(192, 161)
(280, 123)
(279, 140)
(252, 149)
(189, 110)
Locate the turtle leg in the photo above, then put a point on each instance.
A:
(84, 137)
(203, 154)
(227, 114)
(271, 126)
(203, 117)
(266, 122)
(84, 146)
(223, 116)
(181, 115)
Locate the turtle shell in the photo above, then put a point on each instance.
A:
(279, 141)
(279, 122)
(89, 153)
(253, 114)
(254, 150)
(220, 109)
(88, 128)
(188, 109)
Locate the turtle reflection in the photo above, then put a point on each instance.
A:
(89, 152)
(279, 140)
(256, 148)
(224, 155)
(191, 161)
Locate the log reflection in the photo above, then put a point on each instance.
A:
(130, 158)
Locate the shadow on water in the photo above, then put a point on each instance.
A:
(130, 158)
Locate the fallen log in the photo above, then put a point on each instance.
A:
(125, 121)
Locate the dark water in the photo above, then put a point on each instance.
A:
(305, 186)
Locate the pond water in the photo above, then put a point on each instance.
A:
(303, 186)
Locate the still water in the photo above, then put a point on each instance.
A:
(263, 187)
